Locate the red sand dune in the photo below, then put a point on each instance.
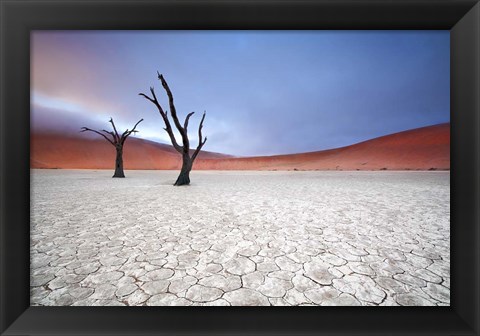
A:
(54, 150)
(419, 149)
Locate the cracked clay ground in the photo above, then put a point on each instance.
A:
(240, 238)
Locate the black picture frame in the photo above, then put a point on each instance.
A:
(19, 17)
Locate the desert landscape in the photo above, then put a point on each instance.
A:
(325, 180)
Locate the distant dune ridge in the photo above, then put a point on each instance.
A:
(426, 148)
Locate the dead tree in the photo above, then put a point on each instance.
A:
(187, 159)
(117, 141)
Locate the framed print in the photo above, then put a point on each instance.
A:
(344, 172)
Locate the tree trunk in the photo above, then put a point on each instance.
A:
(119, 163)
(184, 177)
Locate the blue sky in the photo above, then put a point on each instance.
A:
(265, 92)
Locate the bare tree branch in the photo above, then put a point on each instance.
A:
(173, 112)
(84, 129)
(147, 97)
(127, 133)
(134, 127)
(185, 125)
(168, 127)
(109, 133)
(200, 141)
(185, 139)
(117, 137)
